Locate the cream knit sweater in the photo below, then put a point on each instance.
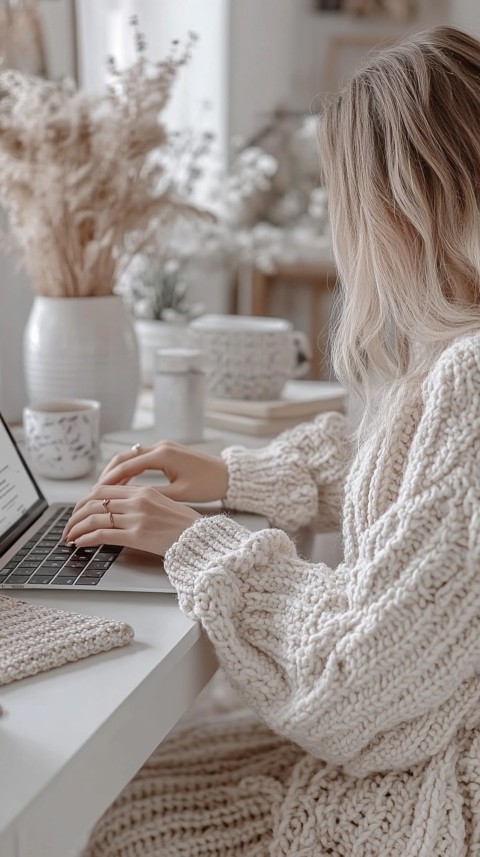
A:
(365, 679)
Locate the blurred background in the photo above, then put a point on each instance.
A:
(253, 55)
(254, 86)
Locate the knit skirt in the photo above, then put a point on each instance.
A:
(232, 788)
(207, 790)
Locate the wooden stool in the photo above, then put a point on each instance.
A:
(321, 278)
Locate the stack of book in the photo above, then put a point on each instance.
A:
(300, 401)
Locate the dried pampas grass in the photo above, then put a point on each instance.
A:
(86, 182)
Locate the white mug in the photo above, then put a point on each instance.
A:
(249, 357)
(61, 437)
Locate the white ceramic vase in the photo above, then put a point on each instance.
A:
(153, 334)
(83, 348)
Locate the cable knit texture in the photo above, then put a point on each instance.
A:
(296, 480)
(364, 679)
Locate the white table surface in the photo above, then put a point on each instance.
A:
(71, 738)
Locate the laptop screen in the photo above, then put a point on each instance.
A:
(21, 500)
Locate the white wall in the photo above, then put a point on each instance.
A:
(103, 31)
(280, 52)
(316, 70)
(16, 298)
(252, 55)
(58, 19)
(16, 294)
(242, 62)
(261, 57)
(466, 15)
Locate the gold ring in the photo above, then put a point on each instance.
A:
(105, 505)
(112, 522)
(137, 448)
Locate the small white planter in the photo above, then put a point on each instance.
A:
(83, 348)
(152, 335)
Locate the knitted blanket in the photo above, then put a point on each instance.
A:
(34, 638)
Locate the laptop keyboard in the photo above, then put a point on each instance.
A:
(45, 559)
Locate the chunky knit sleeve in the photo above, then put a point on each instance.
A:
(373, 665)
(297, 479)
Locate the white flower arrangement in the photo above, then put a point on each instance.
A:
(268, 206)
(158, 290)
(272, 205)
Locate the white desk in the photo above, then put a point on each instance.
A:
(71, 738)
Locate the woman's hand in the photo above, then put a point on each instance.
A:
(132, 516)
(194, 476)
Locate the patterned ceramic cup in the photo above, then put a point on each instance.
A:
(249, 357)
(61, 437)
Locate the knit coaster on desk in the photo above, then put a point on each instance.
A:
(34, 638)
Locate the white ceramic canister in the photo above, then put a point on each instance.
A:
(179, 394)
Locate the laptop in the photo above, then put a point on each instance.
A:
(32, 555)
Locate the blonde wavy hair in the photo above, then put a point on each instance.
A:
(400, 151)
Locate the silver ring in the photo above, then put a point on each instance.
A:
(137, 448)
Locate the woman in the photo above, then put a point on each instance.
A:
(365, 678)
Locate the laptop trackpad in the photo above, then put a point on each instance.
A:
(137, 570)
